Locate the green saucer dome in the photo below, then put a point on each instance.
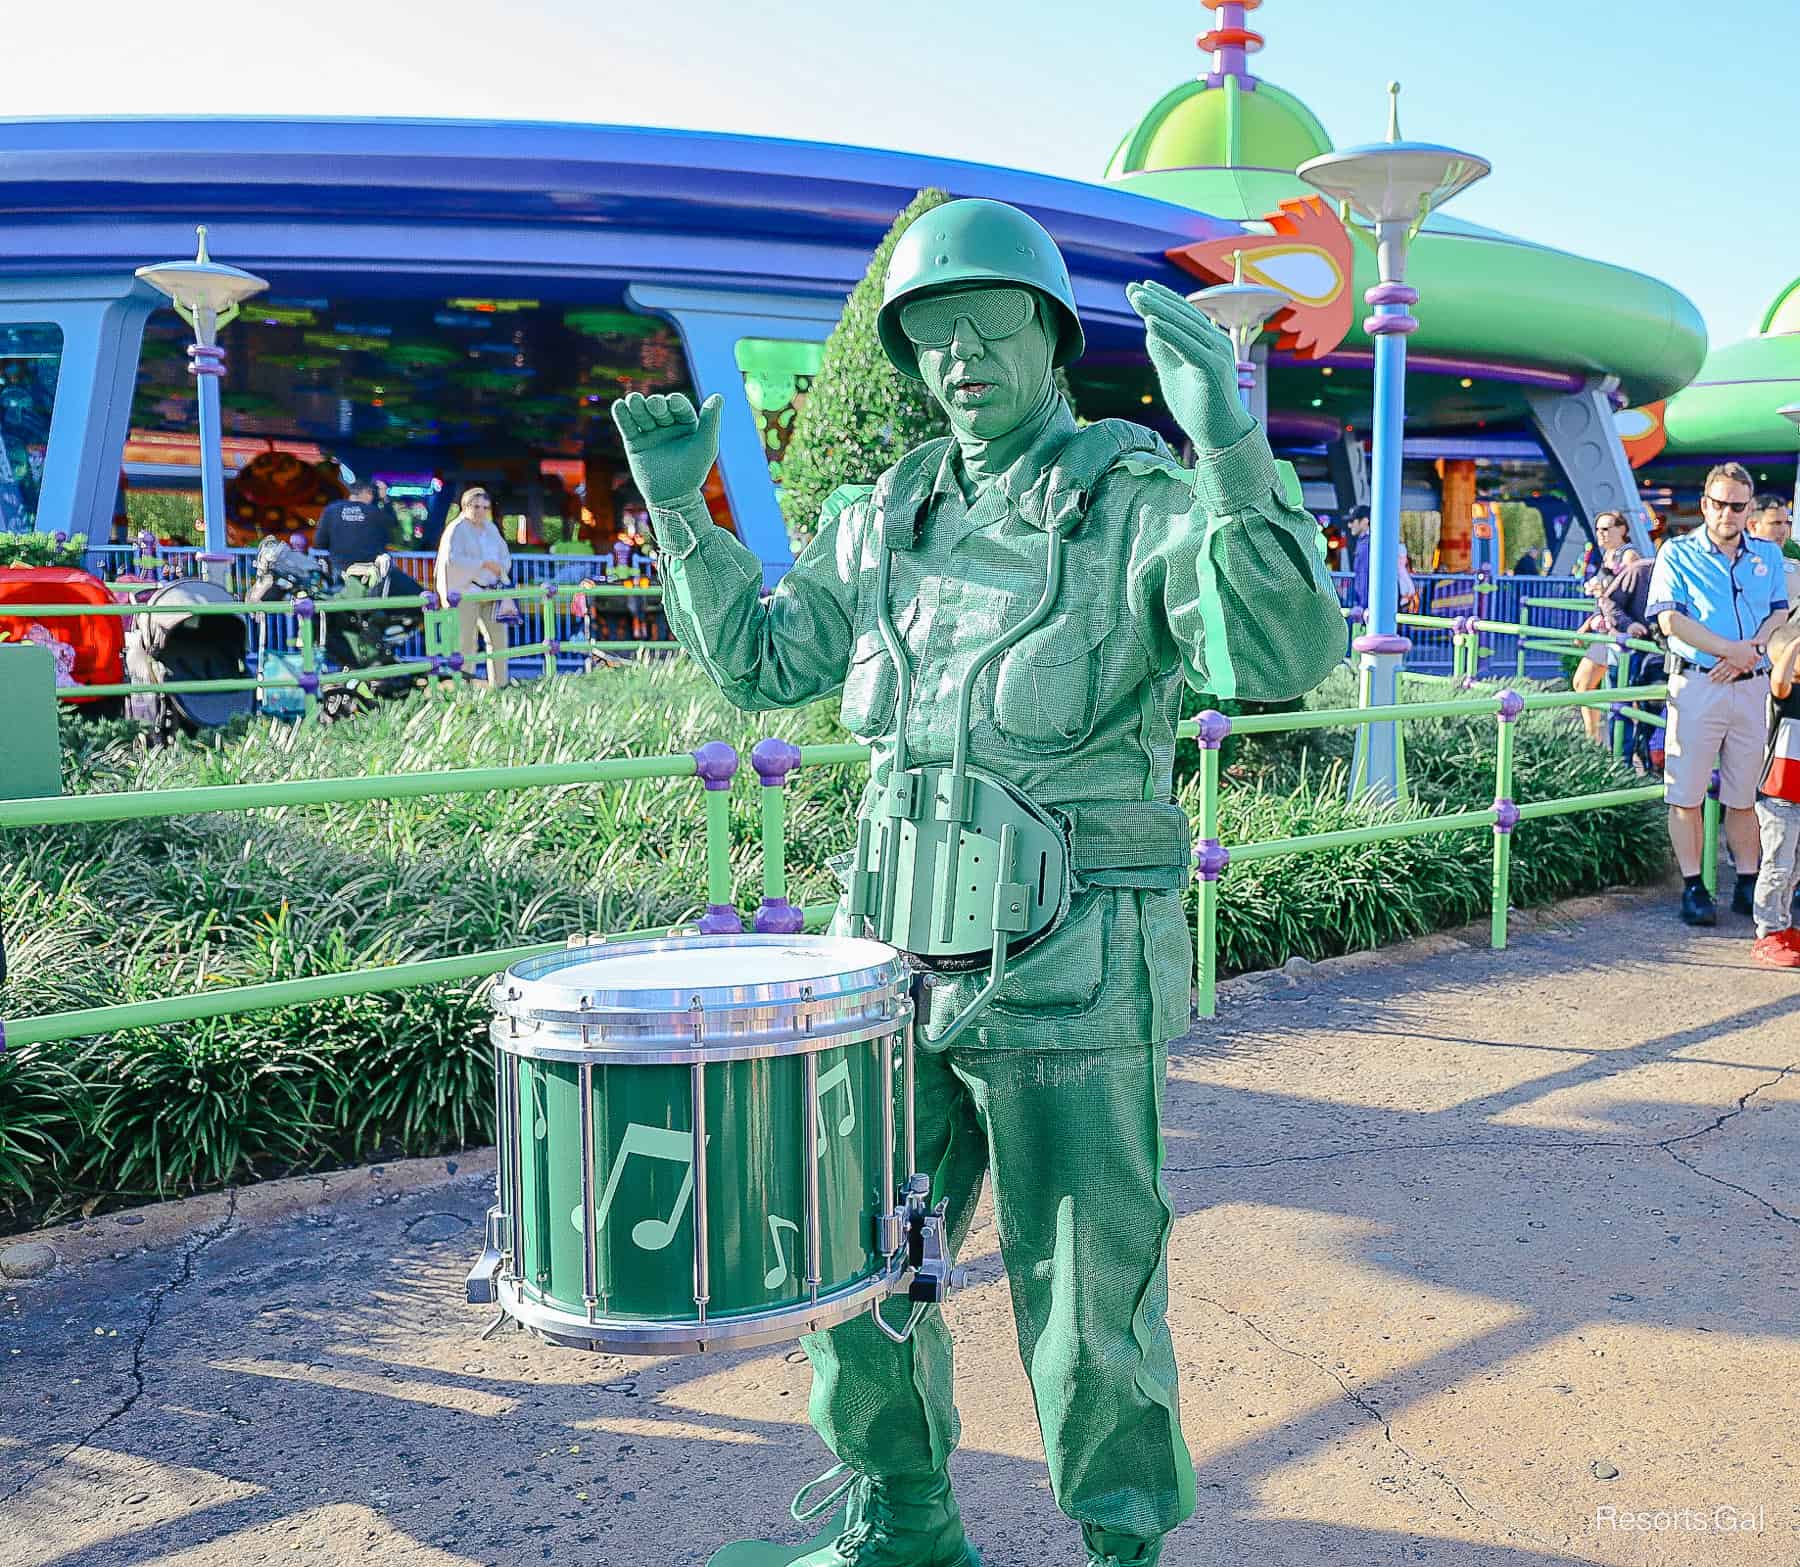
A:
(1195, 126)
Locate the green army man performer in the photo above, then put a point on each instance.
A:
(1010, 612)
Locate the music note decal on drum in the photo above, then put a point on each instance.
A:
(774, 1277)
(837, 1077)
(649, 1142)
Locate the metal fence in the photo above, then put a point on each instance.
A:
(1517, 601)
(627, 618)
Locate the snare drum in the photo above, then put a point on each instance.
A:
(697, 1140)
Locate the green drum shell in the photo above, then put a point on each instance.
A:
(770, 1274)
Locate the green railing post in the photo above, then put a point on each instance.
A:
(1616, 682)
(305, 611)
(773, 760)
(1210, 859)
(1519, 646)
(1506, 813)
(552, 647)
(716, 763)
(1709, 838)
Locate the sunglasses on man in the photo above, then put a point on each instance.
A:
(1736, 508)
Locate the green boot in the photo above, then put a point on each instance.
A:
(1106, 1549)
(908, 1521)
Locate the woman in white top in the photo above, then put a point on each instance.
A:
(473, 554)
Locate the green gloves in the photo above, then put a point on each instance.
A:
(1195, 365)
(671, 449)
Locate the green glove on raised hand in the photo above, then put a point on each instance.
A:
(1195, 365)
(671, 449)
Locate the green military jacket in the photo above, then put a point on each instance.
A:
(1208, 574)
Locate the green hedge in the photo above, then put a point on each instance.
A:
(129, 911)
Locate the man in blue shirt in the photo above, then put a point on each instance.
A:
(1718, 595)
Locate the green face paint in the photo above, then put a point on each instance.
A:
(987, 386)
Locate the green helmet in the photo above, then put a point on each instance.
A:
(963, 244)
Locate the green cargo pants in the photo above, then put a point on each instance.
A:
(1073, 1138)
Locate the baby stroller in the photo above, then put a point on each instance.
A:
(160, 648)
(283, 574)
(369, 636)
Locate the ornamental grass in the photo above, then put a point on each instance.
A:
(116, 912)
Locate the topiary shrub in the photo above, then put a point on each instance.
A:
(861, 415)
(42, 549)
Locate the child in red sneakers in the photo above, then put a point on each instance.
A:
(1778, 807)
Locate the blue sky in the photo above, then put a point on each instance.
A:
(1644, 132)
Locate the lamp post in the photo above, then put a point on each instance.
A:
(1394, 186)
(207, 294)
(1241, 309)
(1791, 413)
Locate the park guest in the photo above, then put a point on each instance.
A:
(353, 532)
(1773, 523)
(1611, 551)
(473, 555)
(1778, 808)
(1717, 595)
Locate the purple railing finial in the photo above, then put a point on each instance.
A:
(1354, 616)
(308, 682)
(773, 760)
(1506, 815)
(432, 601)
(1462, 625)
(452, 599)
(717, 763)
(1215, 727)
(456, 663)
(1210, 859)
(1511, 705)
(305, 608)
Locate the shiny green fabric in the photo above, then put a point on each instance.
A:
(1207, 575)
(1073, 1140)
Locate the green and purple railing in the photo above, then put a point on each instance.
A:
(776, 762)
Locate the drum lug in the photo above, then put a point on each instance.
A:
(479, 1285)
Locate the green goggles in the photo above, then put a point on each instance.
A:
(992, 312)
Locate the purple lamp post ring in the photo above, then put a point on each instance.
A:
(1372, 643)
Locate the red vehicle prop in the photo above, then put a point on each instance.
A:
(98, 640)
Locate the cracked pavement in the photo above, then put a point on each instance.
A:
(1471, 1247)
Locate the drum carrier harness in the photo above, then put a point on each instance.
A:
(953, 865)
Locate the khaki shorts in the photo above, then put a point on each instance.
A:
(1713, 725)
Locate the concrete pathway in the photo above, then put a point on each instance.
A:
(1482, 1260)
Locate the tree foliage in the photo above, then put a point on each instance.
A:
(861, 415)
